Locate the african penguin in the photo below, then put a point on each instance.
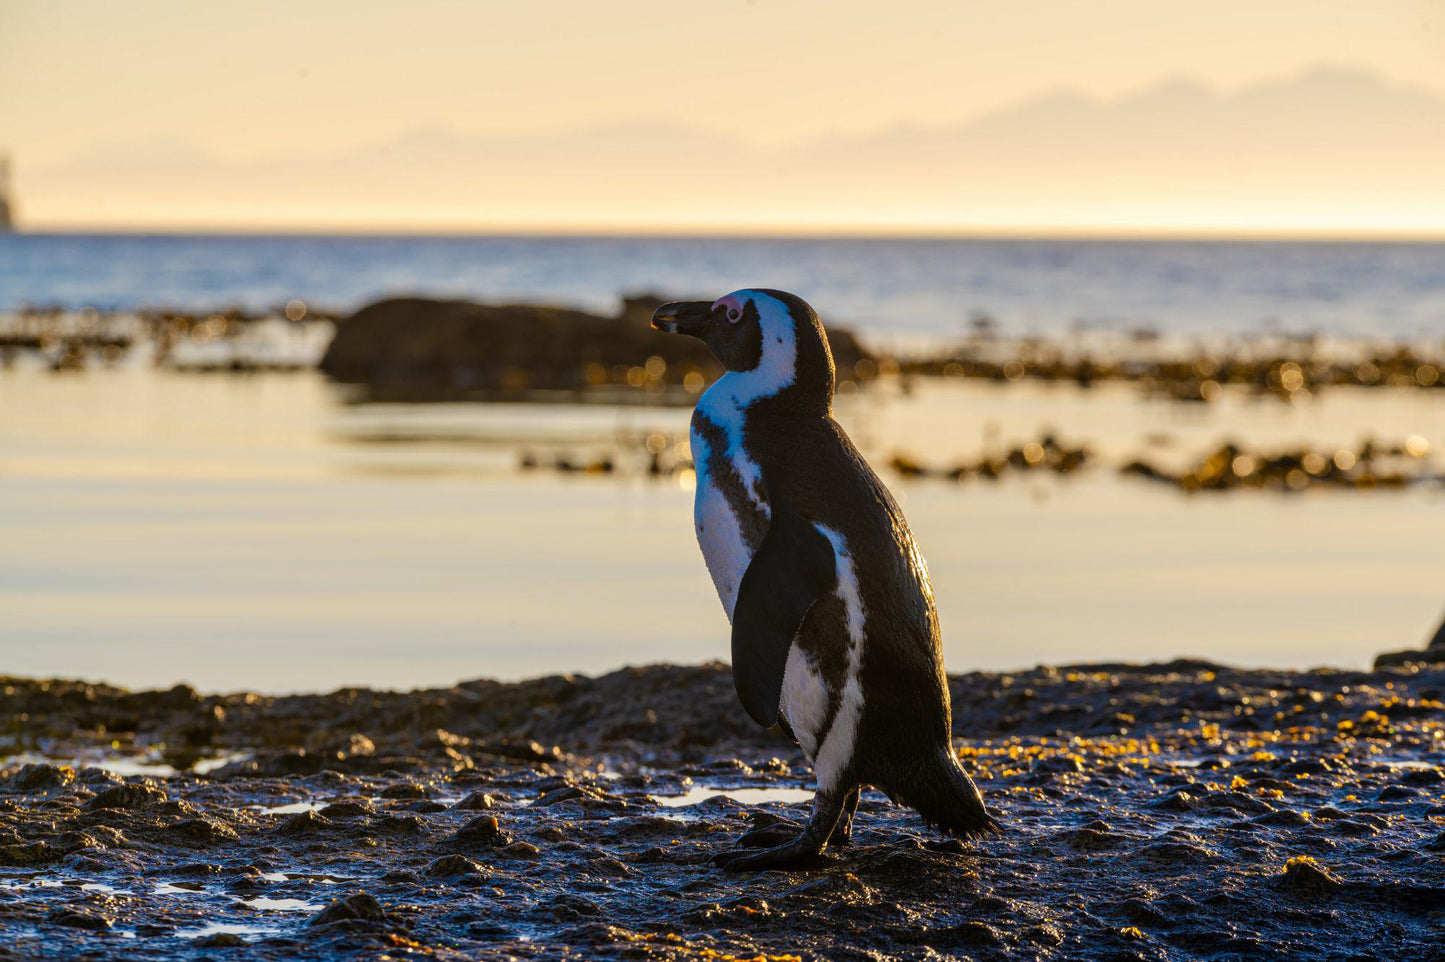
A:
(834, 629)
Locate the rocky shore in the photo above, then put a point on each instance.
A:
(1182, 810)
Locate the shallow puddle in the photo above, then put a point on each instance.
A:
(289, 808)
(282, 905)
(224, 928)
(744, 796)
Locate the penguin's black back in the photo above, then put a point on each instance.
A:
(904, 738)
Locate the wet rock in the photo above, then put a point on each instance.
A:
(128, 797)
(560, 795)
(202, 831)
(347, 808)
(475, 801)
(219, 940)
(1087, 839)
(1423, 778)
(1234, 802)
(81, 919)
(1177, 800)
(483, 830)
(1057, 765)
(35, 777)
(100, 837)
(452, 865)
(304, 823)
(1410, 656)
(358, 907)
(525, 850)
(401, 825)
(1287, 818)
(1140, 912)
(1304, 876)
(1176, 853)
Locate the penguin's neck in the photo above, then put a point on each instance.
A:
(775, 385)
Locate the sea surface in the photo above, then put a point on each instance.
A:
(263, 531)
(270, 531)
(883, 287)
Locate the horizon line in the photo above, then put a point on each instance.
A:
(801, 231)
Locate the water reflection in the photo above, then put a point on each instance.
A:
(261, 532)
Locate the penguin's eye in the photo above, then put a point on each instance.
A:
(734, 314)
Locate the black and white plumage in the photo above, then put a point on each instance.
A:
(835, 633)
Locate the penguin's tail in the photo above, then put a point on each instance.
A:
(946, 797)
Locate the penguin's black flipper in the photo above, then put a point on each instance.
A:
(792, 569)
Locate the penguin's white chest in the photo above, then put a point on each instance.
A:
(718, 509)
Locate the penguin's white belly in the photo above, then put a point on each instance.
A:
(720, 535)
(804, 701)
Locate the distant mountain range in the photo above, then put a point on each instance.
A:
(1329, 149)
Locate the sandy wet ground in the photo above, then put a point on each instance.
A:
(1176, 811)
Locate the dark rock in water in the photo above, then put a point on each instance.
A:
(1057, 765)
(203, 831)
(564, 794)
(128, 797)
(510, 349)
(1423, 777)
(1432, 654)
(1177, 800)
(219, 940)
(476, 801)
(451, 865)
(522, 850)
(80, 919)
(37, 778)
(483, 830)
(347, 808)
(35, 853)
(1305, 876)
(304, 823)
(402, 824)
(359, 907)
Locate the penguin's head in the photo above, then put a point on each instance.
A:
(769, 336)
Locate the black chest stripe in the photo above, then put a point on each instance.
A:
(723, 474)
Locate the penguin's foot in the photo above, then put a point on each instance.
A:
(774, 833)
(803, 848)
(843, 831)
(827, 808)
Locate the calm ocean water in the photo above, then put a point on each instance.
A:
(265, 531)
(881, 286)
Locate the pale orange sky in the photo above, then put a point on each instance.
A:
(461, 115)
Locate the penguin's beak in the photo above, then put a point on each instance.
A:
(683, 317)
